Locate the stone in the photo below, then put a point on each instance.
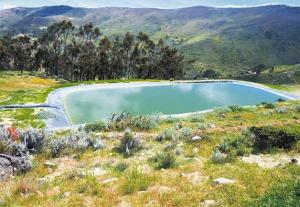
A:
(195, 151)
(208, 203)
(212, 126)
(271, 161)
(111, 180)
(160, 189)
(98, 171)
(179, 150)
(50, 164)
(196, 138)
(53, 192)
(223, 181)
(124, 204)
(195, 178)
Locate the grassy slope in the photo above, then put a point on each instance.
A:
(75, 189)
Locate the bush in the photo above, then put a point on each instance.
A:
(135, 181)
(123, 121)
(95, 127)
(285, 193)
(167, 134)
(218, 157)
(164, 160)
(272, 137)
(282, 110)
(186, 134)
(230, 148)
(129, 145)
(121, 167)
(297, 108)
(75, 141)
(202, 126)
(268, 105)
(235, 108)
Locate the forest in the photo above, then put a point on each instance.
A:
(84, 53)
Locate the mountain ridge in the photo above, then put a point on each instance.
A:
(238, 38)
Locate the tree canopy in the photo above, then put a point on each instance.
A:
(84, 53)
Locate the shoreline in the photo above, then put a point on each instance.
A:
(57, 97)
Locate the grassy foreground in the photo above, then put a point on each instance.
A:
(107, 178)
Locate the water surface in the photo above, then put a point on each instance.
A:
(94, 105)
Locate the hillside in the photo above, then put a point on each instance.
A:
(230, 39)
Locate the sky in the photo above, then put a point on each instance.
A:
(4, 4)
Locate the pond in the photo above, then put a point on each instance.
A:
(85, 106)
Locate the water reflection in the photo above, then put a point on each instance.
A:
(93, 105)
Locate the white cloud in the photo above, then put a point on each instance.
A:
(246, 6)
(6, 6)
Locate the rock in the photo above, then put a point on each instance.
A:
(160, 189)
(98, 171)
(196, 138)
(50, 164)
(67, 194)
(195, 178)
(271, 161)
(54, 191)
(179, 150)
(223, 181)
(208, 203)
(111, 180)
(195, 151)
(124, 204)
(145, 169)
(212, 126)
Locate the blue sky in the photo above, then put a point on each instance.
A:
(143, 3)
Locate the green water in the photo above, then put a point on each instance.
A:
(94, 105)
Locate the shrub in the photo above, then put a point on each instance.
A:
(297, 108)
(202, 126)
(282, 110)
(284, 193)
(164, 160)
(74, 141)
(129, 145)
(186, 134)
(272, 137)
(127, 120)
(235, 108)
(167, 134)
(230, 148)
(95, 127)
(135, 181)
(268, 105)
(121, 167)
(218, 157)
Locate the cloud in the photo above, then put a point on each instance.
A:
(6, 5)
(246, 6)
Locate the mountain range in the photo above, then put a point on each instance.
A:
(227, 39)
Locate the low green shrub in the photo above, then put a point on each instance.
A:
(164, 160)
(123, 121)
(235, 108)
(218, 157)
(230, 148)
(135, 181)
(297, 108)
(274, 137)
(121, 167)
(202, 126)
(283, 194)
(128, 144)
(186, 134)
(167, 134)
(282, 110)
(268, 105)
(95, 127)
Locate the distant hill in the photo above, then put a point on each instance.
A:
(227, 39)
